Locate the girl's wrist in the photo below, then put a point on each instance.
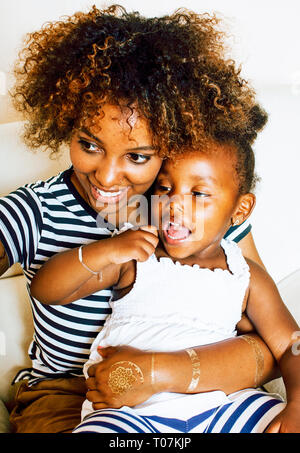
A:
(99, 253)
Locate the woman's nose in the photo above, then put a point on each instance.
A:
(109, 174)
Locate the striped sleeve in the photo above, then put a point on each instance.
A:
(237, 233)
(20, 225)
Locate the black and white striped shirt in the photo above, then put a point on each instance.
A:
(37, 221)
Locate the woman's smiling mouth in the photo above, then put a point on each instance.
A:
(108, 196)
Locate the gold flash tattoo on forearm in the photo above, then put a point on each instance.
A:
(123, 376)
(259, 358)
(195, 370)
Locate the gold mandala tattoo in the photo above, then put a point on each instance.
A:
(123, 376)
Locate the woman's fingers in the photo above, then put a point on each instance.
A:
(97, 406)
(98, 400)
(91, 383)
(106, 352)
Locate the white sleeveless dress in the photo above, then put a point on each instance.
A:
(171, 307)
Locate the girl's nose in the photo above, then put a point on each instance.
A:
(176, 207)
(109, 174)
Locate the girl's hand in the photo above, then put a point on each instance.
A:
(133, 245)
(123, 378)
(287, 421)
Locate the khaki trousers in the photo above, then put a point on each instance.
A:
(51, 406)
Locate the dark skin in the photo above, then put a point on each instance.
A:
(117, 256)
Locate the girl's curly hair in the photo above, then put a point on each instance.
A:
(173, 68)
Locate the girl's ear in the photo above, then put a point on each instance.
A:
(244, 208)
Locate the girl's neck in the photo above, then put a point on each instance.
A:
(214, 259)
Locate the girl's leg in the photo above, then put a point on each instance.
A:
(250, 411)
(123, 420)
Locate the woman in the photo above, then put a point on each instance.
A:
(124, 92)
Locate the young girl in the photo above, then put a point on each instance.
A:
(190, 289)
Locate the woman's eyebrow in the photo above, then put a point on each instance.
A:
(87, 132)
(142, 148)
(138, 148)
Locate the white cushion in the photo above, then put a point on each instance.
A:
(19, 165)
(16, 330)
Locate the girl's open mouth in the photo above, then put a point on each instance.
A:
(104, 196)
(175, 233)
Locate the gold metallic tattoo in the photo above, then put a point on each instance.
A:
(123, 376)
(195, 370)
(259, 358)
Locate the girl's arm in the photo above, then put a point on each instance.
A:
(63, 278)
(280, 331)
(249, 250)
(276, 326)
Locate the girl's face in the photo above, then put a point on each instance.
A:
(115, 162)
(202, 197)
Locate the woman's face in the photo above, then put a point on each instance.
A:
(116, 162)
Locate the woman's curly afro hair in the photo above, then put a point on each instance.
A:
(173, 68)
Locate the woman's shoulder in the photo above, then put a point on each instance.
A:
(35, 195)
(56, 182)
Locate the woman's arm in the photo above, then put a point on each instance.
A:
(4, 265)
(229, 365)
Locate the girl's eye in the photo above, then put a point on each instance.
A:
(200, 194)
(89, 147)
(139, 158)
(162, 188)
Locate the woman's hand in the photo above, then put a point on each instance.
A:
(123, 378)
(287, 421)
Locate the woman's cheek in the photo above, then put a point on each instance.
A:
(145, 176)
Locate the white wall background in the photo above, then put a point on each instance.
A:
(266, 41)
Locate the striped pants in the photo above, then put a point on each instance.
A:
(250, 411)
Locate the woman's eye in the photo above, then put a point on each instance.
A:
(139, 158)
(89, 147)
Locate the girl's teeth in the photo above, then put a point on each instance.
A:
(172, 237)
